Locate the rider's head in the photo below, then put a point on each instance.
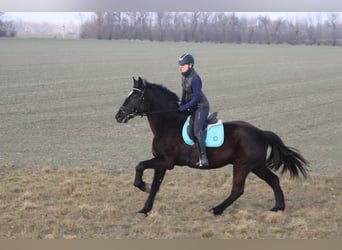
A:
(186, 62)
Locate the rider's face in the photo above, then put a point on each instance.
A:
(184, 68)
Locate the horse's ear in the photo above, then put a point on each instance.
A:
(135, 82)
(141, 83)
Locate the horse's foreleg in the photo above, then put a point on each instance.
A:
(138, 180)
(160, 166)
(157, 180)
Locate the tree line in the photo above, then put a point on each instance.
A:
(7, 28)
(319, 29)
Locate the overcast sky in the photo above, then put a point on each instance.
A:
(174, 5)
(78, 17)
(54, 17)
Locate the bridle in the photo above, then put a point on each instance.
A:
(135, 111)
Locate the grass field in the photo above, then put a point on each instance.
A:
(58, 99)
(81, 203)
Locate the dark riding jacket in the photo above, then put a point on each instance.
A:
(192, 95)
(193, 99)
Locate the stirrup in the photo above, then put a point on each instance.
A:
(201, 163)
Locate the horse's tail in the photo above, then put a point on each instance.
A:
(288, 157)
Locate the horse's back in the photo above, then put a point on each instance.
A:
(245, 134)
(234, 126)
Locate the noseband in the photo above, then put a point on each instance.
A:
(135, 111)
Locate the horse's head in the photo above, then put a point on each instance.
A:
(133, 104)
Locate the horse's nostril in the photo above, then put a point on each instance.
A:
(119, 117)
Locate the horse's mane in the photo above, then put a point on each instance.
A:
(163, 96)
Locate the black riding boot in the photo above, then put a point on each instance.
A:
(203, 161)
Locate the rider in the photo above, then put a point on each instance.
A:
(194, 100)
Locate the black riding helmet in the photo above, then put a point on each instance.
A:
(186, 59)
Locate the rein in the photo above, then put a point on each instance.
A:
(159, 111)
(152, 112)
(135, 112)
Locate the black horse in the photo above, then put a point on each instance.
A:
(245, 147)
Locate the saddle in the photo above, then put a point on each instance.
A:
(214, 131)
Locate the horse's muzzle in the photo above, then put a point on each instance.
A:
(123, 115)
(120, 116)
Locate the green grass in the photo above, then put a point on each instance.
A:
(58, 98)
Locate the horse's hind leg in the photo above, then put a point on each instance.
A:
(271, 179)
(239, 177)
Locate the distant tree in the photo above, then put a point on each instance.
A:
(233, 29)
(332, 23)
(311, 31)
(99, 24)
(203, 30)
(162, 26)
(194, 27)
(7, 28)
(278, 31)
(265, 22)
(108, 26)
(221, 27)
(89, 29)
(117, 21)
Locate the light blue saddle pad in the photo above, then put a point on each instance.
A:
(215, 134)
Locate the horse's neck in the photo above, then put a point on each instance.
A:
(164, 123)
(162, 114)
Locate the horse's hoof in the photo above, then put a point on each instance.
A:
(143, 212)
(143, 187)
(216, 211)
(276, 209)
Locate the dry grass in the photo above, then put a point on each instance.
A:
(53, 203)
